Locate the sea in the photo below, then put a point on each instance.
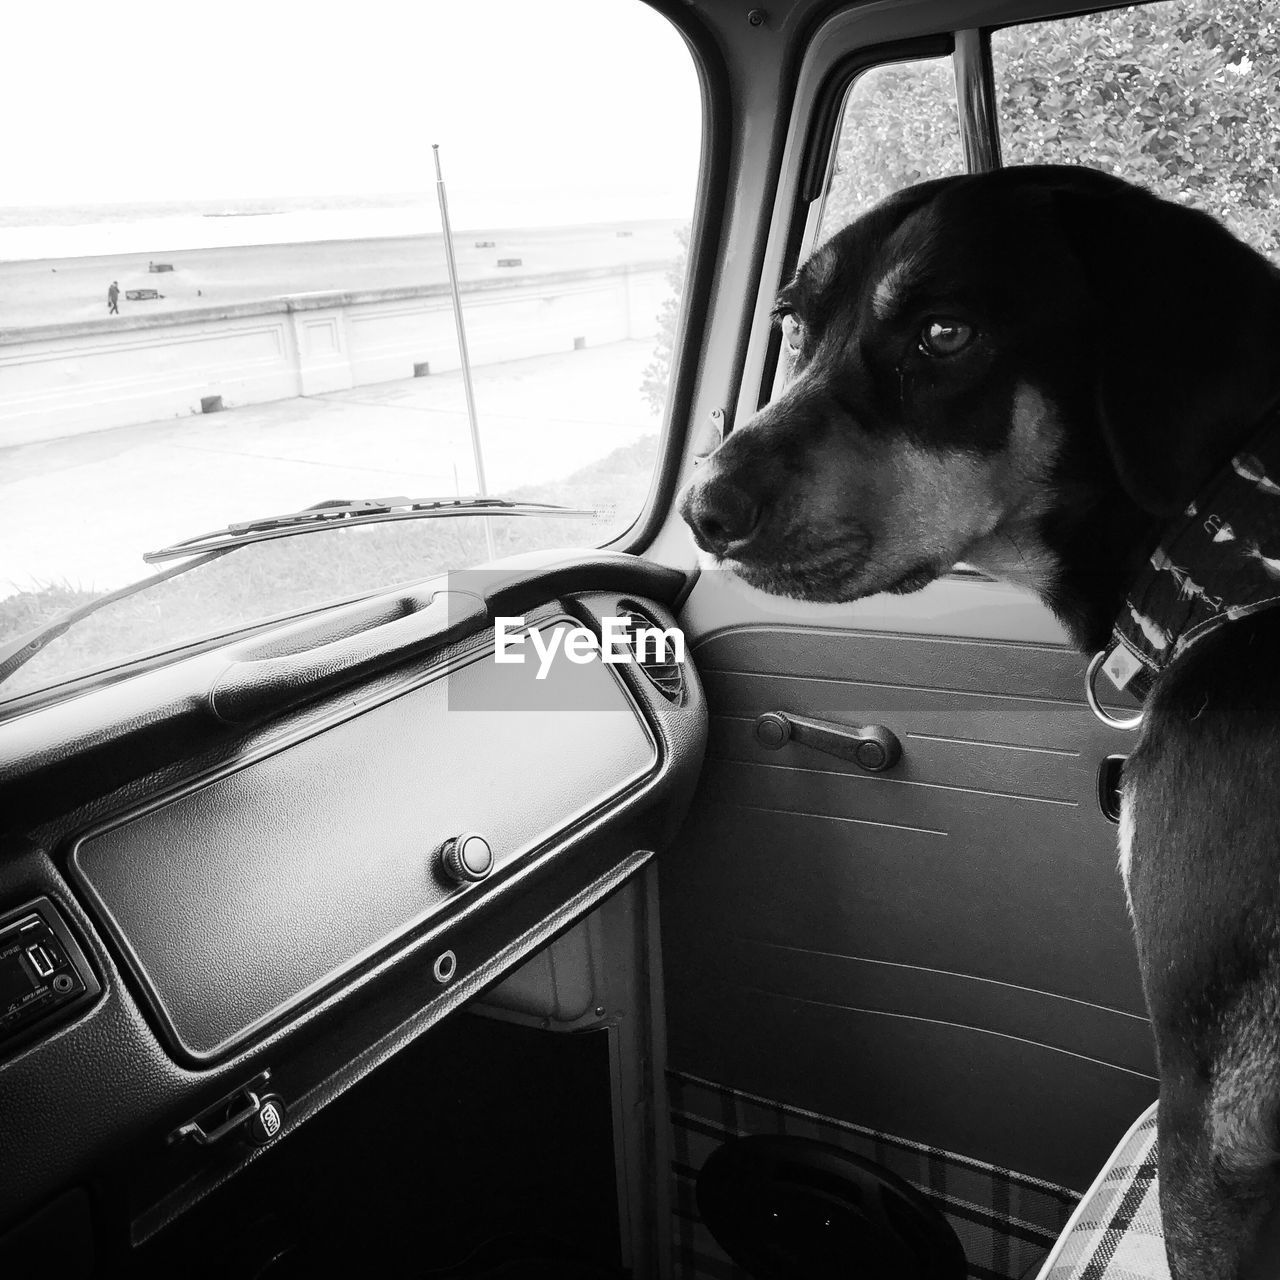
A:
(33, 232)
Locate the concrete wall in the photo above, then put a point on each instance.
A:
(61, 380)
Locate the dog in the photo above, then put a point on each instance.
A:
(1036, 371)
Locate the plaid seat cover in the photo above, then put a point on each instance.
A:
(1115, 1234)
(1006, 1221)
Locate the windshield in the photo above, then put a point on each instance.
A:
(227, 293)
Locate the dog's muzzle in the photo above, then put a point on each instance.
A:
(723, 517)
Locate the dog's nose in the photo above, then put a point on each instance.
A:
(722, 516)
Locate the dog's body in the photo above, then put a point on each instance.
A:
(1033, 371)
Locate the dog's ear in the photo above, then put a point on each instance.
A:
(1186, 320)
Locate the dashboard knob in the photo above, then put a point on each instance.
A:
(466, 859)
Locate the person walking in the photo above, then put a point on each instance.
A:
(113, 297)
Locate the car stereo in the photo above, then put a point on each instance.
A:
(42, 970)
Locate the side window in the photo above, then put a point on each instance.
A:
(1179, 96)
(898, 127)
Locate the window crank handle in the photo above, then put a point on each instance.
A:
(871, 747)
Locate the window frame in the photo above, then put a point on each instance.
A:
(969, 49)
(705, 234)
(822, 146)
(845, 46)
(846, 43)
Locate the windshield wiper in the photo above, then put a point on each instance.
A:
(210, 546)
(328, 515)
(17, 653)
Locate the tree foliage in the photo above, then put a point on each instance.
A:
(653, 381)
(900, 127)
(1180, 96)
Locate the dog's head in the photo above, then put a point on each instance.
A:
(970, 355)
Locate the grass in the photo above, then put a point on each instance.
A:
(288, 575)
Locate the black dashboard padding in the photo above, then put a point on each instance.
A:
(238, 899)
(147, 719)
(253, 687)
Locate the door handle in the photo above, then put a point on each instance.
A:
(871, 746)
(249, 1112)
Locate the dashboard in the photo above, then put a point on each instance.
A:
(258, 873)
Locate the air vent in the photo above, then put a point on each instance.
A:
(650, 645)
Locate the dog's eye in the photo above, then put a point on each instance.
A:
(942, 336)
(792, 331)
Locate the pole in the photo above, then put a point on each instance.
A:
(462, 348)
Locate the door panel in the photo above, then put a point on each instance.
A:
(941, 952)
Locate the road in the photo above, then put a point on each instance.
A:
(81, 510)
(55, 291)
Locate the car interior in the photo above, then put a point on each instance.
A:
(336, 943)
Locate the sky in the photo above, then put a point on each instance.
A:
(141, 100)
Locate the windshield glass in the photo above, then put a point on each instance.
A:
(226, 293)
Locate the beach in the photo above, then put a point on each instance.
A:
(70, 290)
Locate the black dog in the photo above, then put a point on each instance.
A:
(1036, 371)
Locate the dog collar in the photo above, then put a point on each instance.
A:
(1218, 563)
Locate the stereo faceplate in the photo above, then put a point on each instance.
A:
(42, 970)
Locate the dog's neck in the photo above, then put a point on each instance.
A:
(1097, 549)
(1079, 556)
(1098, 540)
